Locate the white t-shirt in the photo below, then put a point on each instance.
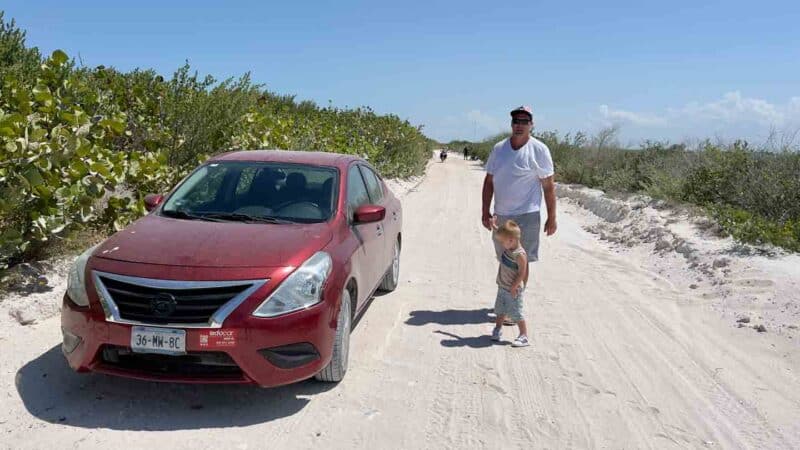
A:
(516, 175)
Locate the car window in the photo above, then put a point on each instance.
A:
(202, 188)
(373, 185)
(293, 192)
(357, 194)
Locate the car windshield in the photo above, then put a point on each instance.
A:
(255, 192)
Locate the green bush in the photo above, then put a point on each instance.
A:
(748, 227)
(56, 160)
(15, 59)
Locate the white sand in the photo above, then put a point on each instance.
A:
(625, 354)
(742, 282)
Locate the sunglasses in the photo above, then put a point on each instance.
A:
(520, 121)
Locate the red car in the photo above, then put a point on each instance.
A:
(251, 270)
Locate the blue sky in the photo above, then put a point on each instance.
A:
(673, 70)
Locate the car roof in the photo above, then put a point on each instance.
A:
(290, 156)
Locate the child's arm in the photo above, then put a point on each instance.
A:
(522, 263)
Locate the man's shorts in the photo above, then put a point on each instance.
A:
(530, 224)
(507, 305)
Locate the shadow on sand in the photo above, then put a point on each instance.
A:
(457, 341)
(456, 317)
(449, 317)
(54, 393)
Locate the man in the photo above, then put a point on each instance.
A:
(466, 153)
(519, 169)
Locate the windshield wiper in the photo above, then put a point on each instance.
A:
(247, 218)
(180, 214)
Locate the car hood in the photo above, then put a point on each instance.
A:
(155, 239)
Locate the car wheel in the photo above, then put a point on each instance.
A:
(392, 276)
(336, 368)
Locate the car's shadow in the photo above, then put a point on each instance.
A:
(54, 393)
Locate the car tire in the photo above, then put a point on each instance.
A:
(337, 367)
(390, 280)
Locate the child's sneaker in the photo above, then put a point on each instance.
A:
(521, 341)
(497, 333)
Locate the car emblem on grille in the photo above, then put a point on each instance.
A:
(163, 304)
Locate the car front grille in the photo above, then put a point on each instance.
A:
(198, 365)
(166, 302)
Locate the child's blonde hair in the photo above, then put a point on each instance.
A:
(509, 229)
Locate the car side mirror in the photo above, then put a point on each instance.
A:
(369, 214)
(151, 201)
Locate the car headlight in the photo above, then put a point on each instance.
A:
(76, 282)
(300, 290)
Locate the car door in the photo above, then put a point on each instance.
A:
(378, 197)
(369, 235)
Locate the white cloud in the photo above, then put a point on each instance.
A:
(612, 116)
(733, 116)
(730, 116)
(732, 107)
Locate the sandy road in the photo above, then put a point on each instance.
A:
(620, 358)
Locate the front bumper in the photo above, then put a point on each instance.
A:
(267, 352)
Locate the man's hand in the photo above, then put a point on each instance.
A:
(514, 290)
(488, 222)
(550, 226)
(549, 188)
(486, 197)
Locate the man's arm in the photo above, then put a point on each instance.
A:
(549, 188)
(488, 192)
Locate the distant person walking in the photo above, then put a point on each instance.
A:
(466, 152)
(518, 170)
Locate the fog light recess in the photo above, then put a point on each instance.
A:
(290, 356)
(70, 342)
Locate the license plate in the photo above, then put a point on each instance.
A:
(166, 341)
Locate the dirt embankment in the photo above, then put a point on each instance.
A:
(753, 287)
